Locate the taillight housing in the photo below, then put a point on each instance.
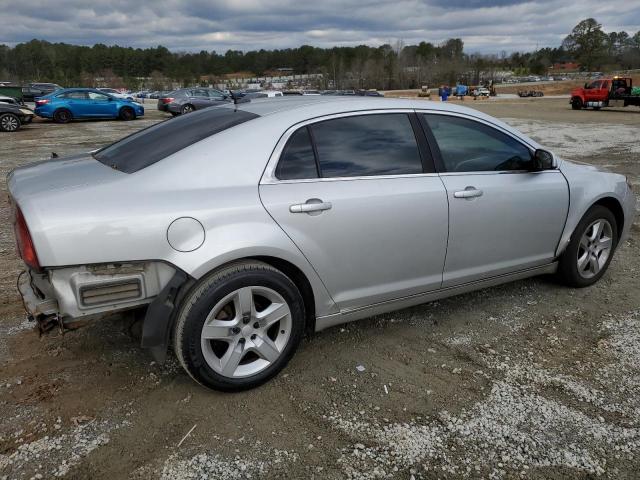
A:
(166, 100)
(42, 101)
(24, 243)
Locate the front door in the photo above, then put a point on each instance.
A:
(502, 216)
(359, 203)
(101, 105)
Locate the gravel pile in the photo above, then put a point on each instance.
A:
(53, 456)
(206, 465)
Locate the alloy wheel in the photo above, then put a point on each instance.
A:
(246, 331)
(10, 123)
(595, 248)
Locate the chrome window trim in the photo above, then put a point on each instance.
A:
(269, 177)
(479, 120)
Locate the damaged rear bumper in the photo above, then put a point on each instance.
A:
(73, 296)
(39, 305)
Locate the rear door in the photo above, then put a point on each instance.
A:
(361, 201)
(502, 216)
(77, 102)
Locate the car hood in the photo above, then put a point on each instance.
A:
(70, 172)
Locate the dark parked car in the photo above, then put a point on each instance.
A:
(33, 90)
(9, 100)
(12, 117)
(187, 100)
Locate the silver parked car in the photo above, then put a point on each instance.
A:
(239, 228)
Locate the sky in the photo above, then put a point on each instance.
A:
(485, 26)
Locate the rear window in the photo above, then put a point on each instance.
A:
(152, 144)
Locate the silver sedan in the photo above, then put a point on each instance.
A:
(236, 229)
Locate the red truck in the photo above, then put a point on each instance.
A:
(605, 92)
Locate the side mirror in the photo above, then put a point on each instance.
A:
(543, 160)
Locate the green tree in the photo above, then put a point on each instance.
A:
(587, 42)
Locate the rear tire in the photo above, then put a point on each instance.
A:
(127, 113)
(9, 122)
(590, 250)
(188, 108)
(62, 116)
(576, 104)
(239, 326)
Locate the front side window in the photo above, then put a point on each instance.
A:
(98, 97)
(366, 145)
(216, 95)
(469, 146)
(297, 160)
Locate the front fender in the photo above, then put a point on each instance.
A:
(587, 186)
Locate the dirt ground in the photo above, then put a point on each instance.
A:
(527, 380)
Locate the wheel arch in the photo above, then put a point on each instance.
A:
(608, 201)
(301, 281)
(63, 108)
(124, 108)
(614, 205)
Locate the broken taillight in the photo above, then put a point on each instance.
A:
(24, 243)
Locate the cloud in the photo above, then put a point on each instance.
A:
(487, 26)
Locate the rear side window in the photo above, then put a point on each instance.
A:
(74, 95)
(366, 145)
(148, 146)
(297, 160)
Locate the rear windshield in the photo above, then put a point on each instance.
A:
(152, 144)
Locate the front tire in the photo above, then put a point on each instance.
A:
(591, 248)
(576, 104)
(9, 122)
(127, 113)
(239, 326)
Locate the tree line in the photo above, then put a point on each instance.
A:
(383, 67)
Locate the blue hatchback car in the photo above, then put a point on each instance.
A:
(82, 103)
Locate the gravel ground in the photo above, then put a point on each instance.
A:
(527, 380)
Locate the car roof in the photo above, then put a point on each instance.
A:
(77, 89)
(313, 106)
(294, 109)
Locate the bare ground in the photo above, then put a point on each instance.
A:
(528, 380)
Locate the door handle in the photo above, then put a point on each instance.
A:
(310, 206)
(469, 192)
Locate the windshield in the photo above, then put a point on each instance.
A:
(148, 146)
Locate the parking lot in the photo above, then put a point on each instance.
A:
(529, 379)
